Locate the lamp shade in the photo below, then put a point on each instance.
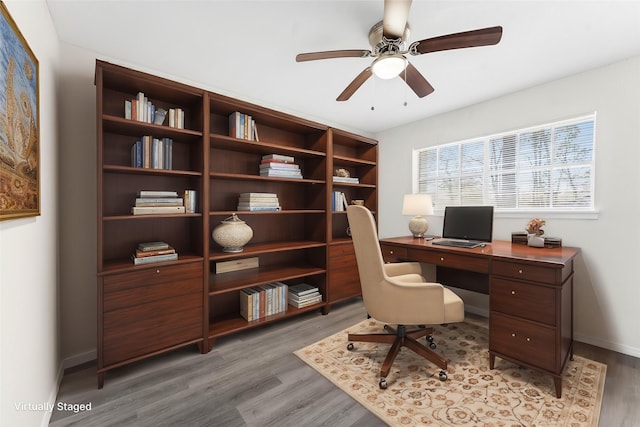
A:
(417, 204)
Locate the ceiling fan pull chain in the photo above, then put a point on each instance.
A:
(404, 90)
(373, 91)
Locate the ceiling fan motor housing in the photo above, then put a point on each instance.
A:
(380, 44)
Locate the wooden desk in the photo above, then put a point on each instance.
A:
(530, 295)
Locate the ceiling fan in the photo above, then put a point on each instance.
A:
(388, 41)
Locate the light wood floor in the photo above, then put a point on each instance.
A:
(254, 379)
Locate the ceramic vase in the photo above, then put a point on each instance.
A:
(232, 234)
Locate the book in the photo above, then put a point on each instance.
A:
(152, 246)
(154, 258)
(279, 165)
(190, 199)
(160, 115)
(350, 180)
(301, 304)
(258, 195)
(142, 254)
(159, 201)
(154, 193)
(304, 298)
(258, 208)
(302, 289)
(246, 304)
(281, 173)
(282, 157)
(258, 205)
(151, 210)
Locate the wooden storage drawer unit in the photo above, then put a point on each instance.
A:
(525, 300)
(392, 253)
(451, 260)
(523, 341)
(148, 310)
(528, 272)
(343, 273)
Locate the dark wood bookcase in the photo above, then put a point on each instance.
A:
(144, 310)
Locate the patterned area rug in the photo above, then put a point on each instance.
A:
(473, 395)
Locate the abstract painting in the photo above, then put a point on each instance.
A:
(19, 123)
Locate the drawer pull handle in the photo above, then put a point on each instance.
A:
(520, 271)
(391, 252)
(441, 258)
(528, 339)
(513, 334)
(158, 271)
(513, 292)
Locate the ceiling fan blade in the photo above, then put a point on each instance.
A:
(474, 38)
(355, 84)
(396, 13)
(329, 54)
(416, 81)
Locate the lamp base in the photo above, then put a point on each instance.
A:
(418, 226)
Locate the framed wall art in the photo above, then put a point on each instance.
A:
(19, 123)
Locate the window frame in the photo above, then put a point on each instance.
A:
(578, 212)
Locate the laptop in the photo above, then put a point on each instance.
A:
(466, 226)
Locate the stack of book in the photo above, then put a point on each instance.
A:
(158, 202)
(258, 202)
(143, 110)
(150, 252)
(339, 201)
(279, 165)
(150, 152)
(262, 301)
(347, 179)
(176, 118)
(304, 294)
(242, 126)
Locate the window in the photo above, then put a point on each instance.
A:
(542, 168)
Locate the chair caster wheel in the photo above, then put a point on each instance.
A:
(383, 383)
(442, 375)
(350, 346)
(432, 345)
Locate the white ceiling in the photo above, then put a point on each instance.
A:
(246, 49)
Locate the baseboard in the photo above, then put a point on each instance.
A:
(480, 311)
(624, 349)
(53, 396)
(79, 359)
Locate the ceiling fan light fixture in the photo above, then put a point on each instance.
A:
(389, 66)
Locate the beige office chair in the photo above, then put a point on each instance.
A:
(397, 294)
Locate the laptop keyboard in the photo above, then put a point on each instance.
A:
(458, 243)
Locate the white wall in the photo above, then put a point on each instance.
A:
(606, 291)
(29, 353)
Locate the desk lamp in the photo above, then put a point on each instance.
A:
(418, 205)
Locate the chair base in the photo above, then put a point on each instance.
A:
(399, 338)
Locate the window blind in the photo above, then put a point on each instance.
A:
(546, 167)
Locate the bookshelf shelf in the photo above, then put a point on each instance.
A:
(304, 242)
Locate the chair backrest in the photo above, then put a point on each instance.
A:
(367, 248)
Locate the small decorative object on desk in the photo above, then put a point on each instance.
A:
(232, 234)
(535, 232)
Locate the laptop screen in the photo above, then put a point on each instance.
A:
(468, 223)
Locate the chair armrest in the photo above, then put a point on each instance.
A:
(401, 268)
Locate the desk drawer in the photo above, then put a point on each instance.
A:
(525, 271)
(524, 300)
(392, 253)
(451, 260)
(523, 341)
